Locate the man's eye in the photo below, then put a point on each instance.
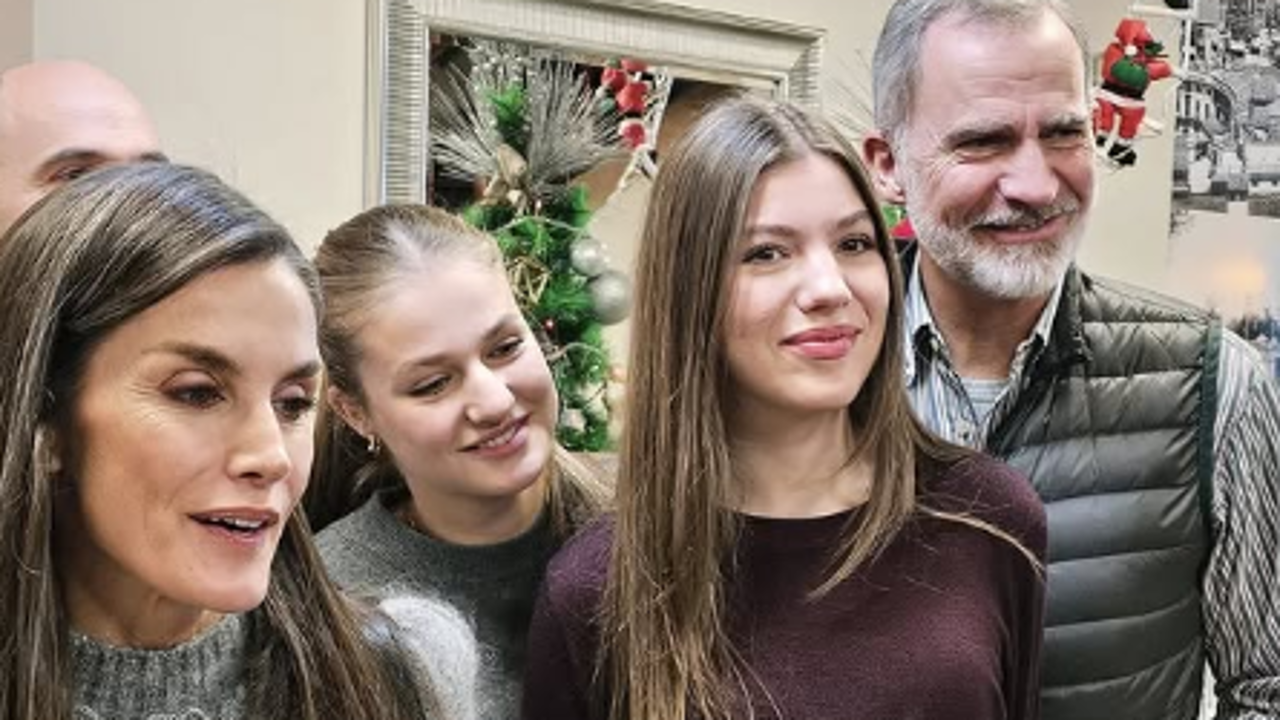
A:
(980, 145)
(1066, 136)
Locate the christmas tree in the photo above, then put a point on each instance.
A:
(525, 124)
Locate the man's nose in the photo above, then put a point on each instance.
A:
(1029, 178)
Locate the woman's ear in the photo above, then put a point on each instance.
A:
(350, 410)
(877, 153)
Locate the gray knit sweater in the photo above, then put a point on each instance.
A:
(370, 551)
(202, 679)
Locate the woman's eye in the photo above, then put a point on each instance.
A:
(857, 244)
(69, 173)
(760, 254)
(197, 396)
(294, 408)
(430, 388)
(508, 348)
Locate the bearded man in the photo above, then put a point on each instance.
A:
(1150, 432)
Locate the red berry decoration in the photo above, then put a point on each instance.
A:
(634, 66)
(633, 132)
(631, 98)
(613, 78)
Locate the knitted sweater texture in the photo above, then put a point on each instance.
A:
(370, 552)
(202, 679)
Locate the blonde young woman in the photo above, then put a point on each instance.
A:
(161, 366)
(788, 541)
(441, 440)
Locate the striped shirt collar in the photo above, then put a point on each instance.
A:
(924, 341)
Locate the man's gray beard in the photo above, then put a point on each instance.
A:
(1007, 272)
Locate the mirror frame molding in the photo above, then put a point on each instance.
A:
(716, 45)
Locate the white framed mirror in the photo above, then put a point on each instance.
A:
(716, 47)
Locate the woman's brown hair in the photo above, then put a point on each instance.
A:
(665, 653)
(357, 262)
(84, 261)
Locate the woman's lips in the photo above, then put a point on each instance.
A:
(506, 440)
(825, 343)
(245, 527)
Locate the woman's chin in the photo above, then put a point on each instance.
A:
(242, 596)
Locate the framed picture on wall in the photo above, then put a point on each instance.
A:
(1225, 229)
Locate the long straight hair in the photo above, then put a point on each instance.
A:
(81, 263)
(665, 653)
(357, 262)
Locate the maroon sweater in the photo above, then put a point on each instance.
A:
(944, 625)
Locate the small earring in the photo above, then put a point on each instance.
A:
(45, 454)
(373, 445)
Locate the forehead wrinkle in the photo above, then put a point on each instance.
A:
(207, 357)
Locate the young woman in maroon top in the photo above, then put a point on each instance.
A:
(789, 542)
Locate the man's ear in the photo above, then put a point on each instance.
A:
(877, 153)
(349, 409)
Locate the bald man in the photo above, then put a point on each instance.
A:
(58, 120)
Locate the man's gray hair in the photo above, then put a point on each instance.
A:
(895, 67)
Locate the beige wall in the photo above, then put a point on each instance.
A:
(15, 32)
(268, 94)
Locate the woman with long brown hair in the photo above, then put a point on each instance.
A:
(439, 436)
(788, 542)
(159, 350)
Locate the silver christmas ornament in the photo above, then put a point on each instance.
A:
(610, 296)
(587, 257)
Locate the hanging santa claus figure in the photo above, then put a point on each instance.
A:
(1130, 64)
